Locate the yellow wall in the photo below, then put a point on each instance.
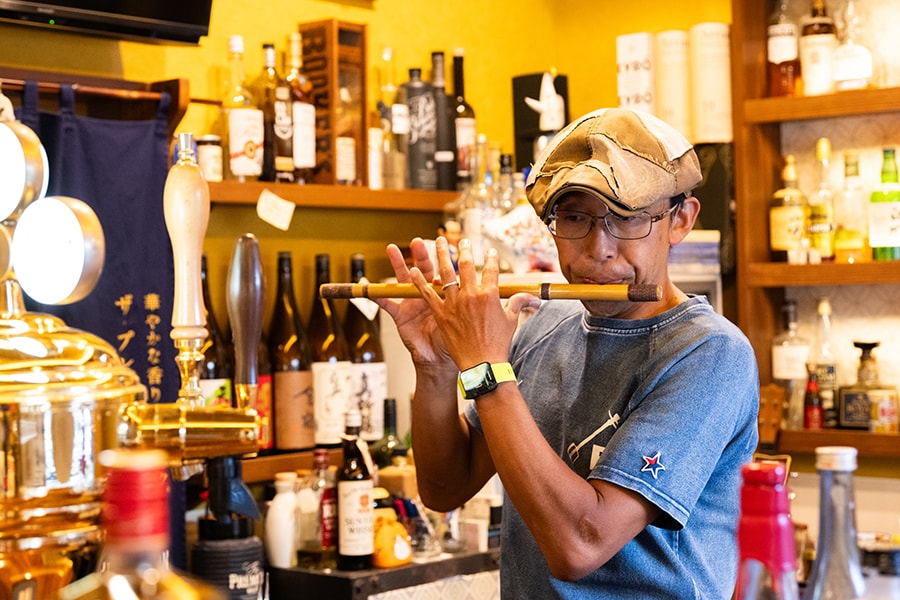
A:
(502, 40)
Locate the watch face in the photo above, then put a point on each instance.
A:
(478, 380)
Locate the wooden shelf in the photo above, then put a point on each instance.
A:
(776, 275)
(840, 104)
(263, 468)
(869, 445)
(332, 196)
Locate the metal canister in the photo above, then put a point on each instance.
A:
(209, 156)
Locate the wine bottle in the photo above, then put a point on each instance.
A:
(355, 504)
(292, 402)
(331, 366)
(464, 124)
(768, 562)
(217, 368)
(884, 211)
(134, 559)
(783, 61)
(445, 132)
(303, 112)
(818, 41)
(317, 505)
(383, 449)
(274, 97)
(836, 570)
(241, 123)
(422, 142)
(394, 115)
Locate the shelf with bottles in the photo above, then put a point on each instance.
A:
(870, 445)
(332, 196)
(839, 104)
(777, 274)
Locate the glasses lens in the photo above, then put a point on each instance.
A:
(574, 225)
(628, 228)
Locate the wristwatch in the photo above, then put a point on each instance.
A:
(484, 378)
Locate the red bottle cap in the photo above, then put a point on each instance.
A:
(765, 530)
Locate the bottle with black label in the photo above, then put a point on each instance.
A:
(355, 502)
(422, 134)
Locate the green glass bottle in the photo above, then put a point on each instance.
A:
(884, 211)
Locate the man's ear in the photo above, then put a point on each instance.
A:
(683, 220)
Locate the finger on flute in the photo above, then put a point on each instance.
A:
(545, 291)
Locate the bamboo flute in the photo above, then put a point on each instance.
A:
(545, 291)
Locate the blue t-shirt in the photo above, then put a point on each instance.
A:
(664, 406)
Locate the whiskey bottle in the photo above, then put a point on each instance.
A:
(818, 41)
(820, 225)
(787, 215)
(241, 124)
(369, 371)
(884, 211)
(783, 60)
(464, 124)
(422, 141)
(331, 366)
(355, 503)
(292, 402)
(303, 112)
(274, 97)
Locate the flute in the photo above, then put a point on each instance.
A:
(616, 292)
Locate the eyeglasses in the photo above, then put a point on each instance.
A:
(575, 225)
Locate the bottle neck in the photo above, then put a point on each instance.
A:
(889, 168)
(836, 571)
(459, 89)
(236, 69)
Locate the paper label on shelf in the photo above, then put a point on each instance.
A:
(275, 210)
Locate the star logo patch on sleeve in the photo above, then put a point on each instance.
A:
(653, 465)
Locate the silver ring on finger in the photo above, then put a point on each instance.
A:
(449, 284)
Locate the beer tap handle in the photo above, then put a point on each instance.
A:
(245, 299)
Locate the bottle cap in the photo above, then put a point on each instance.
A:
(353, 418)
(824, 307)
(836, 458)
(236, 43)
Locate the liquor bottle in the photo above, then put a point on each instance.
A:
(851, 243)
(464, 124)
(787, 214)
(317, 505)
(281, 522)
(884, 211)
(818, 41)
(422, 140)
(783, 60)
(134, 560)
(290, 354)
(853, 65)
(445, 129)
(383, 449)
(506, 193)
(768, 561)
(242, 127)
(369, 369)
(836, 570)
(331, 366)
(820, 225)
(812, 402)
(303, 112)
(217, 368)
(264, 398)
(790, 353)
(394, 114)
(274, 97)
(825, 364)
(355, 504)
(349, 146)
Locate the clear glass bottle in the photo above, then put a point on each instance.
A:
(820, 223)
(274, 97)
(134, 561)
(787, 215)
(303, 112)
(851, 243)
(768, 561)
(836, 571)
(884, 211)
(355, 503)
(823, 358)
(818, 41)
(369, 371)
(241, 124)
(331, 366)
(289, 351)
(790, 353)
(782, 53)
(853, 64)
(464, 124)
(317, 505)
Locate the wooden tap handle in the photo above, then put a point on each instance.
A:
(245, 300)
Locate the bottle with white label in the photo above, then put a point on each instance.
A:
(242, 128)
(790, 353)
(884, 211)
(355, 502)
(818, 41)
(303, 113)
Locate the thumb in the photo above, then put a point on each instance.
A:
(518, 302)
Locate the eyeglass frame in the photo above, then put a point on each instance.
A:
(677, 201)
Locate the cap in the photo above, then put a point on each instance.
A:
(627, 158)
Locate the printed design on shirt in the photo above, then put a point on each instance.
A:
(653, 465)
(574, 450)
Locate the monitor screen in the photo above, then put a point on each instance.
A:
(176, 21)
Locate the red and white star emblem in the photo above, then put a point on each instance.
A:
(652, 464)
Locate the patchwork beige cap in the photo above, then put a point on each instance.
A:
(627, 158)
